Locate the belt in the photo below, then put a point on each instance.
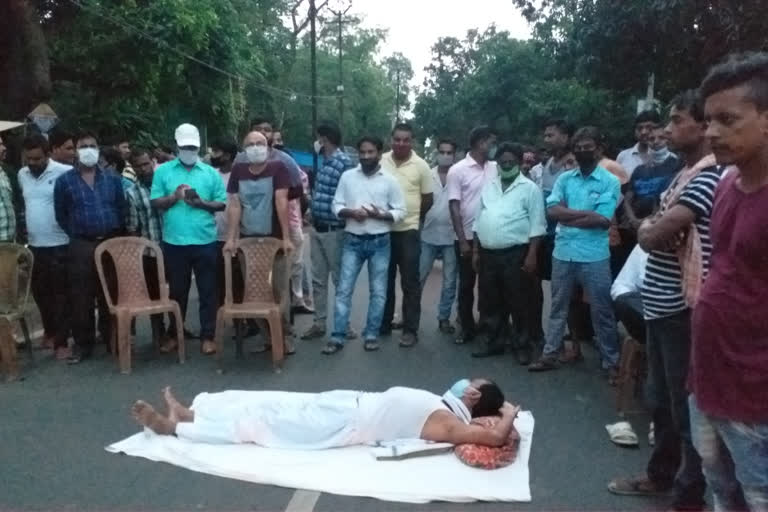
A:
(320, 228)
(369, 237)
(514, 248)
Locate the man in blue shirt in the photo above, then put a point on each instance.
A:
(327, 235)
(90, 207)
(582, 202)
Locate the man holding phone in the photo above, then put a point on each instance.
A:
(189, 193)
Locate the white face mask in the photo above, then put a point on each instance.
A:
(89, 157)
(318, 146)
(444, 160)
(188, 156)
(257, 154)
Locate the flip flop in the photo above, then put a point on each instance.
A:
(331, 348)
(636, 486)
(621, 433)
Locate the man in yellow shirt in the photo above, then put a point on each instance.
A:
(413, 175)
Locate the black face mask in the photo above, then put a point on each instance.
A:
(280, 147)
(586, 159)
(369, 164)
(218, 161)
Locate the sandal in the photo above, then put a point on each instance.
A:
(371, 346)
(331, 348)
(268, 348)
(636, 486)
(544, 364)
(621, 433)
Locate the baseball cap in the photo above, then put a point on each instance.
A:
(187, 135)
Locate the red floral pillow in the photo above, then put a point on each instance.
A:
(489, 457)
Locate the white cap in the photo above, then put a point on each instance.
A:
(187, 135)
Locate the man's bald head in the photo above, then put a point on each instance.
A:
(254, 138)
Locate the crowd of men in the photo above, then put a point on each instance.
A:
(669, 239)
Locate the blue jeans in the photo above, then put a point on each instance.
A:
(734, 457)
(595, 278)
(355, 251)
(180, 262)
(429, 253)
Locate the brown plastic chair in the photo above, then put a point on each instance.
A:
(257, 259)
(16, 262)
(132, 295)
(632, 370)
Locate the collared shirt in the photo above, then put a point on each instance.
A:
(437, 228)
(89, 211)
(142, 218)
(631, 158)
(598, 192)
(550, 171)
(42, 228)
(465, 182)
(7, 214)
(380, 189)
(630, 279)
(326, 182)
(535, 173)
(415, 181)
(511, 216)
(184, 224)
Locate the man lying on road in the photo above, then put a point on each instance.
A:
(316, 421)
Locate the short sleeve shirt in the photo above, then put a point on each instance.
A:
(184, 224)
(415, 179)
(648, 182)
(257, 197)
(464, 183)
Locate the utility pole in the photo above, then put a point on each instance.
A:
(340, 88)
(397, 98)
(313, 59)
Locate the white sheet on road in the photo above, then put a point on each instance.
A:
(351, 471)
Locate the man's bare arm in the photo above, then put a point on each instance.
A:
(426, 203)
(662, 231)
(454, 206)
(449, 429)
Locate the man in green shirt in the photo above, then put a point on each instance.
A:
(189, 193)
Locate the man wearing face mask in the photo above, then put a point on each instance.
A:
(583, 202)
(416, 183)
(437, 236)
(257, 206)
(371, 201)
(328, 233)
(144, 221)
(508, 230)
(47, 241)
(464, 183)
(650, 180)
(89, 204)
(189, 193)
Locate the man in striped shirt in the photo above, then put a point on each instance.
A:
(669, 291)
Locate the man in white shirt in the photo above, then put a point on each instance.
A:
(47, 241)
(625, 292)
(510, 224)
(437, 236)
(371, 201)
(639, 154)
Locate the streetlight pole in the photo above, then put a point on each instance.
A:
(313, 73)
(340, 88)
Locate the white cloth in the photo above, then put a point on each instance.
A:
(380, 189)
(630, 279)
(438, 228)
(457, 407)
(309, 421)
(42, 228)
(350, 471)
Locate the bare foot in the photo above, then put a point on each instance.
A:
(146, 415)
(176, 411)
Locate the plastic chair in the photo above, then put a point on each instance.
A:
(257, 258)
(632, 370)
(16, 262)
(132, 295)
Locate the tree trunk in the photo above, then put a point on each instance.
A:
(26, 78)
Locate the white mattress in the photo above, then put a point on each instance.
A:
(351, 471)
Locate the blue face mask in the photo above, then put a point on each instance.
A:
(459, 388)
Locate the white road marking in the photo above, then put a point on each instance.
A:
(302, 501)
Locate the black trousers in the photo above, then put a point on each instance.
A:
(86, 291)
(506, 290)
(50, 289)
(674, 461)
(628, 308)
(405, 255)
(466, 295)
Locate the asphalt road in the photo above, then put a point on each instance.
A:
(56, 422)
